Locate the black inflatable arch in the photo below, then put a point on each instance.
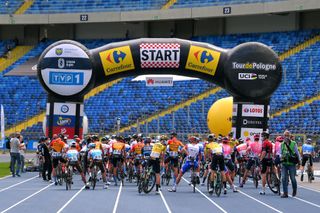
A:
(251, 71)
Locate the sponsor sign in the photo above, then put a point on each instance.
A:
(59, 120)
(251, 110)
(250, 132)
(64, 109)
(67, 131)
(251, 76)
(203, 60)
(234, 109)
(252, 122)
(253, 66)
(159, 81)
(117, 60)
(160, 55)
(66, 69)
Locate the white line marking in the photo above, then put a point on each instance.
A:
(214, 203)
(309, 189)
(5, 177)
(37, 192)
(69, 201)
(117, 200)
(165, 203)
(260, 202)
(18, 183)
(308, 202)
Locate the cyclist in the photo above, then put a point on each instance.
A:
(227, 152)
(207, 157)
(118, 153)
(217, 159)
(193, 155)
(156, 155)
(57, 147)
(95, 156)
(136, 150)
(254, 150)
(307, 154)
(106, 152)
(173, 160)
(72, 157)
(265, 159)
(277, 153)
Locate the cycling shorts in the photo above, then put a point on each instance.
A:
(188, 164)
(155, 163)
(173, 161)
(115, 161)
(55, 161)
(99, 163)
(264, 164)
(250, 163)
(217, 160)
(229, 164)
(305, 158)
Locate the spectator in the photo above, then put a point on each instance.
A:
(15, 155)
(22, 148)
(46, 158)
(289, 152)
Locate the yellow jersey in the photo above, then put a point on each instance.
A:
(215, 148)
(157, 150)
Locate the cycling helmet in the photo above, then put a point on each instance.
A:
(211, 137)
(240, 140)
(135, 136)
(219, 138)
(113, 137)
(42, 139)
(92, 145)
(279, 138)
(103, 139)
(140, 135)
(309, 140)
(95, 138)
(120, 138)
(163, 138)
(75, 136)
(107, 137)
(225, 140)
(265, 134)
(193, 139)
(147, 140)
(256, 137)
(74, 144)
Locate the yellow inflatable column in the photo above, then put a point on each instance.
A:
(219, 117)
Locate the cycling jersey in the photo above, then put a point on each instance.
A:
(307, 149)
(267, 147)
(72, 155)
(146, 150)
(227, 151)
(215, 148)
(95, 154)
(157, 149)
(98, 145)
(255, 149)
(105, 148)
(193, 151)
(173, 146)
(242, 149)
(117, 149)
(137, 149)
(57, 145)
(277, 148)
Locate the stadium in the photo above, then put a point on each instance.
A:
(118, 102)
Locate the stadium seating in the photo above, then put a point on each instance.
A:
(74, 6)
(132, 100)
(9, 7)
(4, 46)
(205, 3)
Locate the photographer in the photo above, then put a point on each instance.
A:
(289, 157)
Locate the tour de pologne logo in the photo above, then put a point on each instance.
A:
(64, 108)
(63, 121)
(59, 51)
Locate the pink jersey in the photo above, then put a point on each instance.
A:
(227, 150)
(255, 148)
(277, 148)
(106, 148)
(242, 149)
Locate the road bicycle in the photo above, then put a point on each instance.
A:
(166, 177)
(273, 180)
(147, 179)
(193, 174)
(120, 172)
(68, 176)
(255, 171)
(309, 172)
(94, 174)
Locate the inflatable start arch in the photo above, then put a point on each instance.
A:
(250, 72)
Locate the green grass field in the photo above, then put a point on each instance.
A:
(4, 169)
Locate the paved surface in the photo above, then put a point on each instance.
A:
(30, 194)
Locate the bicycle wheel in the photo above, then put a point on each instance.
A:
(168, 177)
(255, 179)
(273, 182)
(140, 186)
(149, 183)
(94, 177)
(309, 175)
(218, 184)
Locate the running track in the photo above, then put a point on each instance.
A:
(29, 194)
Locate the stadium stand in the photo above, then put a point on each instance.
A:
(126, 99)
(73, 6)
(205, 3)
(4, 45)
(9, 7)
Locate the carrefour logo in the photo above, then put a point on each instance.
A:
(117, 60)
(204, 56)
(203, 60)
(116, 55)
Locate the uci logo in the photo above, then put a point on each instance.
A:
(203, 56)
(59, 51)
(64, 108)
(117, 55)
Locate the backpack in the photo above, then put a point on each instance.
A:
(8, 143)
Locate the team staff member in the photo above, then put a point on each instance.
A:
(265, 159)
(156, 155)
(288, 149)
(46, 158)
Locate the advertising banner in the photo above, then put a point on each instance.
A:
(159, 81)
